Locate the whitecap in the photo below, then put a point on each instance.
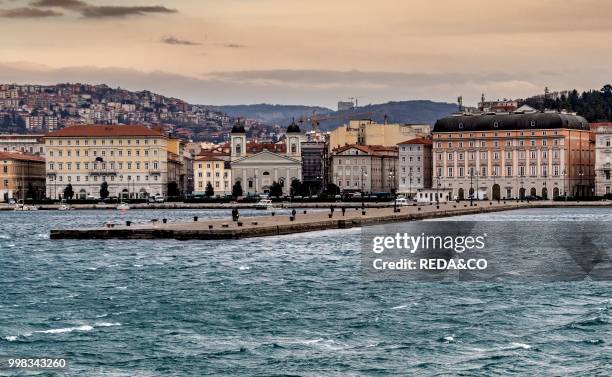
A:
(92, 269)
(102, 315)
(399, 307)
(449, 338)
(107, 324)
(521, 345)
(243, 268)
(137, 265)
(123, 288)
(4, 237)
(66, 329)
(11, 338)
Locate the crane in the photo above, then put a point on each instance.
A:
(315, 119)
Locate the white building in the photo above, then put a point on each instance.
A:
(415, 165)
(257, 166)
(603, 158)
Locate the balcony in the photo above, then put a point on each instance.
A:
(99, 172)
(155, 172)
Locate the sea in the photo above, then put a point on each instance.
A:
(292, 305)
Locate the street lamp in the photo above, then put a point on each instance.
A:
(364, 174)
(438, 189)
(564, 188)
(471, 187)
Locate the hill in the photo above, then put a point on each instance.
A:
(420, 111)
(271, 114)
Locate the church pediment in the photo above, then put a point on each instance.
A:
(265, 157)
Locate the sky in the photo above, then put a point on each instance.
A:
(314, 52)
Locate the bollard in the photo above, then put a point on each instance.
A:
(419, 208)
(195, 218)
(164, 221)
(239, 223)
(210, 226)
(304, 212)
(437, 207)
(329, 215)
(273, 213)
(128, 223)
(454, 206)
(363, 213)
(291, 218)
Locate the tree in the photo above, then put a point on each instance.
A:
(237, 189)
(296, 187)
(173, 189)
(69, 192)
(31, 193)
(104, 190)
(209, 191)
(332, 189)
(276, 189)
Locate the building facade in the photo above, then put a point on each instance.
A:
(214, 169)
(257, 171)
(368, 132)
(415, 165)
(603, 158)
(314, 161)
(22, 176)
(132, 160)
(365, 168)
(514, 155)
(32, 144)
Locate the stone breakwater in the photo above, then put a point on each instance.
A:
(303, 221)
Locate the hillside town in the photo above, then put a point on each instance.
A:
(46, 108)
(498, 152)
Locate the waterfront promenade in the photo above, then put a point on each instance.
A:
(304, 221)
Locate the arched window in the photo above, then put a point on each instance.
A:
(238, 149)
(293, 148)
(266, 173)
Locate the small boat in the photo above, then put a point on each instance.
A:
(24, 207)
(265, 204)
(65, 207)
(123, 207)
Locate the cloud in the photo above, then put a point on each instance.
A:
(27, 12)
(102, 11)
(66, 4)
(183, 42)
(121, 11)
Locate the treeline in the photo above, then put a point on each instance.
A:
(594, 105)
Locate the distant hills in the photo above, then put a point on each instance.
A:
(271, 114)
(419, 111)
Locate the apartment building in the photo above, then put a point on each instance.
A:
(365, 168)
(415, 165)
(513, 155)
(22, 176)
(603, 158)
(215, 169)
(368, 132)
(132, 160)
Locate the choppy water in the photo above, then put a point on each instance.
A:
(291, 305)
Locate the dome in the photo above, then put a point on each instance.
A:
(238, 128)
(293, 127)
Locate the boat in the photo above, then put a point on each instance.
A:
(65, 207)
(123, 207)
(265, 204)
(25, 207)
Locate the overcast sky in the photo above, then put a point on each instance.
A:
(312, 52)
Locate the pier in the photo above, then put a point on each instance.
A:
(278, 224)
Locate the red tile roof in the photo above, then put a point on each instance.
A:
(418, 140)
(370, 149)
(101, 130)
(20, 156)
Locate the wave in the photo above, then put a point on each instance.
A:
(521, 345)
(63, 330)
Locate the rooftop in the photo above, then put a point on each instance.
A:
(101, 130)
(20, 156)
(418, 140)
(510, 121)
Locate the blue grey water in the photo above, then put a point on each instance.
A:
(291, 305)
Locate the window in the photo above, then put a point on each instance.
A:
(532, 123)
(450, 171)
(509, 171)
(460, 125)
(496, 124)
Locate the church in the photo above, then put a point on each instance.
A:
(257, 166)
